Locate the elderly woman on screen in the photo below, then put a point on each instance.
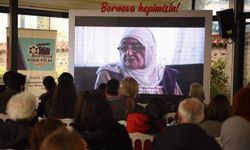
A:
(138, 60)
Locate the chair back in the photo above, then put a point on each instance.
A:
(67, 121)
(141, 141)
(4, 117)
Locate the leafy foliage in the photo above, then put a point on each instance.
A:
(219, 79)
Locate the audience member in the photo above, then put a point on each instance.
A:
(22, 113)
(15, 84)
(218, 111)
(151, 121)
(5, 80)
(196, 90)
(112, 89)
(42, 129)
(66, 75)
(111, 92)
(187, 134)
(50, 85)
(63, 139)
(235, 131)
(62, 103)
(128, 91)
(95, 123)
(102, 88)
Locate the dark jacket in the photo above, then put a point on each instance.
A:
(42, 105)
(184, 137)
(15, 134)
(5, 97)
(111, 137)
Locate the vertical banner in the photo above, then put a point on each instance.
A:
(36, 57)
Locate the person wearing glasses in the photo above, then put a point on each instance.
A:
(138, 60)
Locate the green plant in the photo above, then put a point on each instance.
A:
(219, 79)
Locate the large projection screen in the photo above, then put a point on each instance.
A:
(183, 41)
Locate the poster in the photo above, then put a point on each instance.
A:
(36, 57)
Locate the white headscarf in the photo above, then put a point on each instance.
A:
(152, 74)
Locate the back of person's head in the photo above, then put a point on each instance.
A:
(219, 108)
(102, 88)
(49, 82)
(16, 81)
(42, 129)
(63, 100)
(157, 108)
(196, 90)
(92, 110)
(22, 106)
(66, 75)
(6, 77)
(129, 87)
(112, 87)
(241, 103)
(63, 139)
(191, 110)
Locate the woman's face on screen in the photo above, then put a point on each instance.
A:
(132, 53)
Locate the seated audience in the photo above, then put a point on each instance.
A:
(50, 85)
(151, 121)
(235, 131)
(102, 88)
(63, 139)
(5, 80)
(15, 84)
(196, 90)
(66, 75)
(42, 129)
(128, 92)
(187, 135)
(111, 92)
(218, 111)
(14, 133)
(62, 103)
(94, 122)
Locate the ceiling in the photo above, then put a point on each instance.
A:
(65, 5)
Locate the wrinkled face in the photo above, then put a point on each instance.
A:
(132, 53)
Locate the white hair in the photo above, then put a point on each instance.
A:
(21, 106)
(191, 110)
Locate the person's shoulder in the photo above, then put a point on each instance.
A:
(109, 66)
(171, 70)
(235, 121)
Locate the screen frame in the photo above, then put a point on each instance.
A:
(206, 14)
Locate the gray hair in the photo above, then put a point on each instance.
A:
(196, 90)
(22, 106)
(191, 110)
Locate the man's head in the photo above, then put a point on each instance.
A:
(6, 76)
(191, 110)
(137, 48)
(16, 81)
(112, 87)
